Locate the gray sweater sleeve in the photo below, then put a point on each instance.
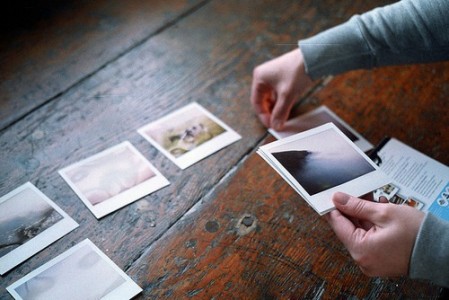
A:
(430, 256)
(409, 31)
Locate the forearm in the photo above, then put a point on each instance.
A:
(430, 256)
(409, 31)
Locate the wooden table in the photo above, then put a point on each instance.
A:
(78, 77)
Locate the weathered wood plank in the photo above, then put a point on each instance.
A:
(405, 102)
(47, 46)
(255, 238)
(207, 57)
(290, 252)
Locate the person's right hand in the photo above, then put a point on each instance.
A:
(276, 85)
(379, 236)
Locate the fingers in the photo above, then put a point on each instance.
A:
(392, 227)
(260, 98)
(261, 92)
(343, 227)
(355, 207)
(383, 199)
(281, 110)
(275, 86)
(265, 119)
(272, 105)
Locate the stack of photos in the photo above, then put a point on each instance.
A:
(29, 222)
(188, 135)
(113, 178)
(321, 161)
(82, 272)
(317, 117)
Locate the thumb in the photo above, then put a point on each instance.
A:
(355, 207)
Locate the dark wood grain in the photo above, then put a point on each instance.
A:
(255, 238)
(286, 252)
(46, 47)
(184, 240)
(405, 102)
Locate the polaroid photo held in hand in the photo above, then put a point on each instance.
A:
(189, 135)
(113, 178)
(321, 161)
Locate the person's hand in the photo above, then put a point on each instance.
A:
(379, 236)
(276, 85)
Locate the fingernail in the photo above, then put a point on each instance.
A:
(277, 125)
(383, 199)
(341, 198)
(265, 119)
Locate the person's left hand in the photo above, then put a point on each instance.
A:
(276, 85)
(379, 236)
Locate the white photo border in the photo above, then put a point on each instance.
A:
(127, 290)
(362, 143)
(322, 201)
(202, 151)
(124, 198)
(40, 241)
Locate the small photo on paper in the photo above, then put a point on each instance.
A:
(188, 135)
(322, 161)
(82, 272)
(388, 191)
(29, 222)
(397, 199)
(113, 178)
(414, 203)
(317, 117)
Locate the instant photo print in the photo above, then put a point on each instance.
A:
(29, 222)
(82, 272)
(189, 135)
(321, 161)
(317, 117)
(113, 178)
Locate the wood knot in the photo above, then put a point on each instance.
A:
(246, 224)
(212, 226)
(247, 221)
